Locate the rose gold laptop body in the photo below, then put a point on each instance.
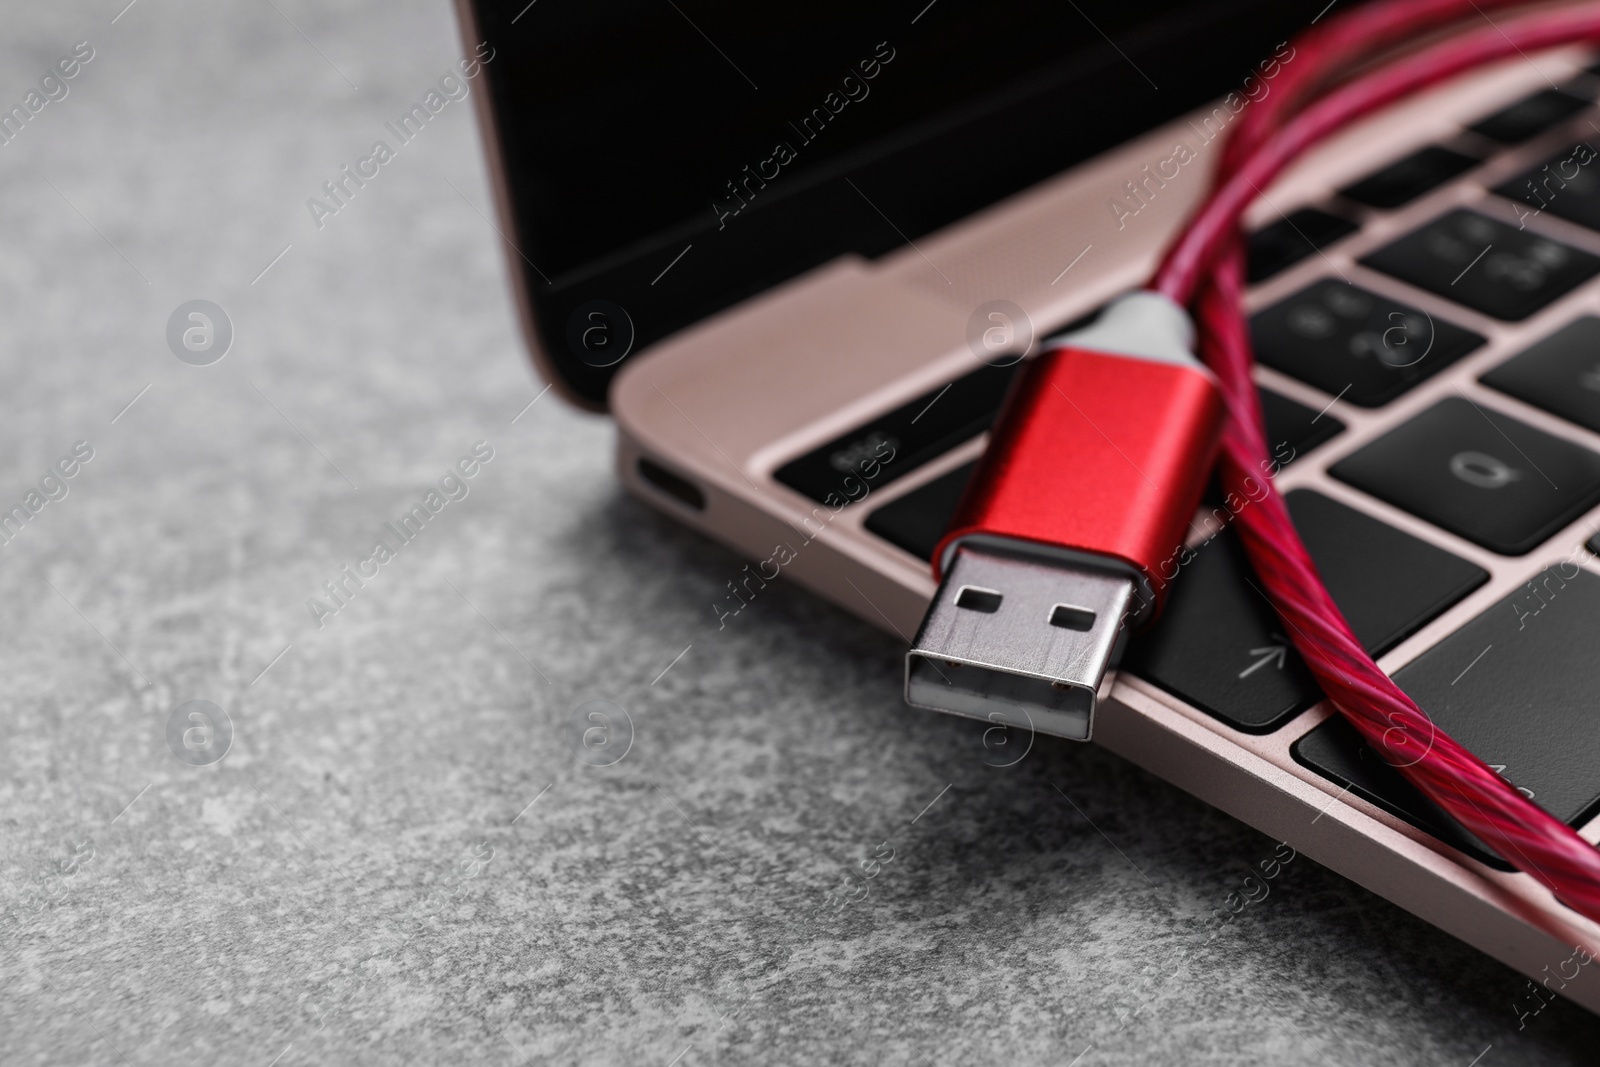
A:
(723, 404)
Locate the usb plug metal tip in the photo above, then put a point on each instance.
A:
(1020, 641)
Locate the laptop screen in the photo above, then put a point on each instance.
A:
(668, 158)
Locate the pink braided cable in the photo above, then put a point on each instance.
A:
(1205, 268)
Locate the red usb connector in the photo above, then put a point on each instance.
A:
(1070, 529)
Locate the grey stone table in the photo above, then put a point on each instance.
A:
(401, 858)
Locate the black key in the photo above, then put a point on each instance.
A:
(1387, 583)
(1529, 116)
(1404, 180)
(917, 520)
(1345, 340)
(1520, 686)
(1560, 374)
(1220, 645)
(1294, 429)
(1278, 247)
(1486, 265)
(898, 442)
(1567, 185)
(1335, 751)
(1479, 474)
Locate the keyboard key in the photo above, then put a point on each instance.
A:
(1335, 751)
(1520, 686)
(1347, 341)
(1479, 474)
(1294, 429)
(1404, 180)
(1488, 266)
(1529, 117)
(1220, 645)
(1278, 247)
(1388, 583)
(1567, 185)
(1560, 374)
(916, 521)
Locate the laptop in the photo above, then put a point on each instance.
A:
(798, 255)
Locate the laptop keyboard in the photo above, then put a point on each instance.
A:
(1515, 683)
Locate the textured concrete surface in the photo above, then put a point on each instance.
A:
(401, 858)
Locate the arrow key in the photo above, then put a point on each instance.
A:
(1220, 645)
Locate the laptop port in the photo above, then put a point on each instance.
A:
(680, 489)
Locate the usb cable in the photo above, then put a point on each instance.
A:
(1068, 535)
(1059, 547)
